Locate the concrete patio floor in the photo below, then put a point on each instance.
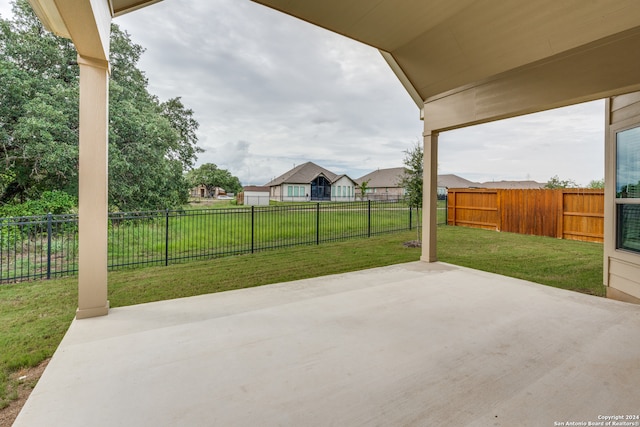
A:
(411, 344)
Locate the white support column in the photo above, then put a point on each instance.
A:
(430, 197)
(93, 179)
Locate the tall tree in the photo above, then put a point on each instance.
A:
(412, 180)
(364, 187)
(151, 143)
(38, 108)
(413, 177)
(211, 177)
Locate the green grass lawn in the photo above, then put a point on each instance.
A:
(35, 315)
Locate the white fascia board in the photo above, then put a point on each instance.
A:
(48, 13)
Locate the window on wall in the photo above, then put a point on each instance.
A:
(296, 191)
(628, 189)
(289, 191)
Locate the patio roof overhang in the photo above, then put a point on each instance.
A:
(473, 61)
(87, 23)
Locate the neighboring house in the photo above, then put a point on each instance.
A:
(383, 184)
(454, 181)
(386, 184)
(201, 191)
(255, 196)
(447, 181)
(310, 182)
(514, 185)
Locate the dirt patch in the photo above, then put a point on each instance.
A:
(413, 244)
(24, 381)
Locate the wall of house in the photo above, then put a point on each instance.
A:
(343, 190)
(293, 192)
(621, 267)
(256, 198)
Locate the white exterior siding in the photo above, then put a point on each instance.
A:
(292, 192)
(256, 198)
(343, 190)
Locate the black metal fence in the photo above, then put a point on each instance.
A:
(43, 247)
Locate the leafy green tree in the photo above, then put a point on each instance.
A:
(412, 180)
(211, 177)
(151, 143)
(38, 108)
(555, 182)
(364, 187)
(596, 184)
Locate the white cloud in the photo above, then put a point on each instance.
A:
(568, 142)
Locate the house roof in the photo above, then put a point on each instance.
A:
(256, 188)
(383, 178)
(507, 185)
(455, 181)
(302, 174)
(390, 178)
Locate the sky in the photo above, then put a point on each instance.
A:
(271, 92)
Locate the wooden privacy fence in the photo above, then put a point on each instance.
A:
(576, 214)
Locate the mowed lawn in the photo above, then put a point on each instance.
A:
(35, 315)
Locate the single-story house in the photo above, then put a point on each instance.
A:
(383, 184)
(255, 196)
(447, 181)
(513, 185)
(310, 182)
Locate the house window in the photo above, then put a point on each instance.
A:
(289, 191)
(296, 191)
(628, 189)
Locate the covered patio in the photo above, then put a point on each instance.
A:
(410, 344)
(416, 344)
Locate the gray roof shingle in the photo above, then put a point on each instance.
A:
(383, 178)
(302, 174)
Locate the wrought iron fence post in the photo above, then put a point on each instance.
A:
(446, 209)
(368, 218)
(166, 238)
(49, 230)
(252, 226)
(318, 223)
(410, 218)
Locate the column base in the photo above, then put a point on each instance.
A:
(613, 293)
(429, 259)
(92, 312)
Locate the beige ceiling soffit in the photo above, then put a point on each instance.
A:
(404, 80)
(49, 15)
(119, 8)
